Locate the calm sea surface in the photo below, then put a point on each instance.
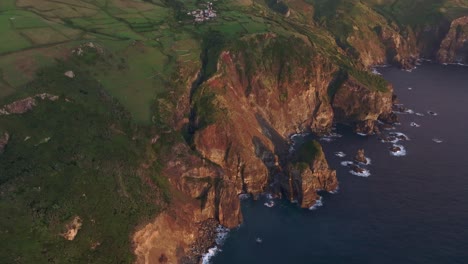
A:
(411, 209)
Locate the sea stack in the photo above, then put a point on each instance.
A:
(360, 157)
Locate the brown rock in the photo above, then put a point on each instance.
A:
(360, 156)
(72, 228)
(454, 47)
(360, 106)
(21, 106)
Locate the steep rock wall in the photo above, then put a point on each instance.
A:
(265, 89)
(454, 47)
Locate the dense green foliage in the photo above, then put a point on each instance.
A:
(76, 156)
(308, 151)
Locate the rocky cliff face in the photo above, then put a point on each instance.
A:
(259, 100)
(454, 47)
(265, 89)
(360, 106)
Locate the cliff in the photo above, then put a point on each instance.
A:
(266, 87)
(164, 124)
(454, 47)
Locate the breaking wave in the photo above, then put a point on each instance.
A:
(399, 153)
(317, 204)
(365, 173)
(340, 154)
(221, 235)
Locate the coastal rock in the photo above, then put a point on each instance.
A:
(360, 157)
(355, 168)
(305, 179)
(454, 47)
(388, 118)
(240, 120)
(366, 127)
(395, 148)
(361, 106)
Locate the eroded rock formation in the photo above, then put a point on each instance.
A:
(241, 119)
(454, 47)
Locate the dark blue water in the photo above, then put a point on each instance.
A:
(412, 209)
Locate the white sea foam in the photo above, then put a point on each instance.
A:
(362, 134)
(395, 140)
(346, 163)
(419, 114)
(410, 88)
(368, 161)
(335, 135)
(269, 204)
(244, 196)
(400, 153)
(399, 135)
(317, 204)
(409, 111)
(375, 71)
(432, 113)
(206, 258)
(327, 139)
(335, 191)
(340, 154)
(412, 69)
(414, 124)
(258, 240)
(365, 173)
(221, 235)
(437, 140)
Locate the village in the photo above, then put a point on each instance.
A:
(202, 15)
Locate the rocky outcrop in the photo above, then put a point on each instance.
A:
(454, 47)
(305, 177)
(72, 228)
(241, 118)
(400, 47)
(360, 157)
(24, 105)
(180, 233)
(360, 106)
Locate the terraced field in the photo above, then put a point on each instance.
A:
(145, 35)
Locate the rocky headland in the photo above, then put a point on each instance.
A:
(262, 92)
(165, 123)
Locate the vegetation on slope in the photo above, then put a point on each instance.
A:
(80, 155)
(87, 154)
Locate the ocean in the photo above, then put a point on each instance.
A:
(412, 208)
